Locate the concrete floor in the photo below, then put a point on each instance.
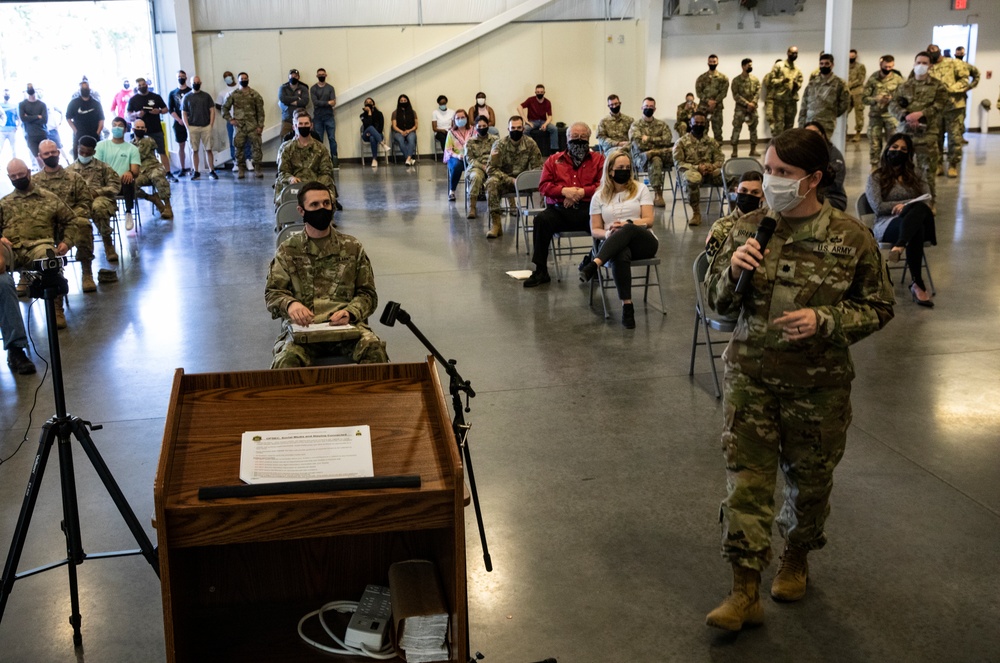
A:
(597, 457)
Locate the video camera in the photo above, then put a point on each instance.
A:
(46, 277)
(50, 263)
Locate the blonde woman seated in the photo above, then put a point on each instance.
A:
(621, 214)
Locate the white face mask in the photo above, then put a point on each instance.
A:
(920, 70)
(481, 101)
(782, 193)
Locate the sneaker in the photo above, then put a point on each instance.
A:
(374, 164)
(236, 166)
(171, 178)
(212, 175)
(19, 362)
(184, 171)
(537, 279)
(129, 221)
(451, 196)
(196, 175)
(249, 164)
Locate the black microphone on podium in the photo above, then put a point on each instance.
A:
(391, 313)
(763, 236)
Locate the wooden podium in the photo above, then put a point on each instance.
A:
(238, 573)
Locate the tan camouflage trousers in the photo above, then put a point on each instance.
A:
(244, 134)
(368, 349)
(741, 116)
(476, 177)
(859, 112)
(769, 426)
(784, 116)
(928, 158)
(681, 128)
(880, 128)
(498, 185)
(715, 120)
(655, 163)
(101, 213)
(951, 124)
(156, 178)
(692, 181)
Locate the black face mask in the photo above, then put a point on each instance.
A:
(21, 183)
(886, 72)
(305, 131)
(320, 219)
(853, 60)
(698, 130)
(749, 69)
(181, 81)
(825, 70)
(959, 57)
(52, 161)
(792, 57)
(143, 89)
(712, 67)
(935, 57)
(30, 91)
(482, 131)
(515, 135)
(540, 96)
(746, 202)
(578, 149)
(196, 86)
(897, 158)
(139, 133)
(293, 81)
(85, 92)
(648, 112)
(621, 176)
(615, 109)
(244, 83)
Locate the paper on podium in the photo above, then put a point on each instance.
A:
(322, 332)
(419, 611)
(306, 453)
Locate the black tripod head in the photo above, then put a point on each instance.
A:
(46, 281)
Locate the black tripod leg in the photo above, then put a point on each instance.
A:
(71, 527)
(148, 551)
(475, 503)
(27, 508)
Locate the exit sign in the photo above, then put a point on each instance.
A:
(959, 4)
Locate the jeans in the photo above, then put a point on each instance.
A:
(373, 137)
(407, 144)
(328, 125)
(628, 243)
(552, 131)
(11, 322)
(231, 131)
(455, 168)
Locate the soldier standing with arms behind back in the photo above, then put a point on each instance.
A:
(973, 74)
(712, 88)
(856, 85)
(244, 109)
(746, 94)
(787, 81)
(918, 105)
(826, 97)
(878, 92)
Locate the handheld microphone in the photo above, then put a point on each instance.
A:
(763, 236)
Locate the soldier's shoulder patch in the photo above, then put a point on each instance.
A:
(713, 246)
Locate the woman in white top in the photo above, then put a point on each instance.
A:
(621, 214)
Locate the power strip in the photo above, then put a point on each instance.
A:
(368, 624)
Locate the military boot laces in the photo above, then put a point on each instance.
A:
(742, 607)
(793, 575)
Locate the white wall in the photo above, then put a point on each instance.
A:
(575, 61)
(899, 27)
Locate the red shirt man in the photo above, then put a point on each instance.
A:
(537, 112)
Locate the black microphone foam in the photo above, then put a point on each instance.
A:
(763, 236)
(389, 314)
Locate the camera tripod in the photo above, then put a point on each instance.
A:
(59, 428)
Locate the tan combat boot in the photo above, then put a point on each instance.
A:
(658, 198)
(695, 201)
(736, 151)
(258, 171)
(157, 202)
(952, 171)
(87, 280)
(60, 314)
(753, 150)
(22, 284)
(167, 212)
(496, 227)
(109, 248)
(742, 606)
(472, 210)
(793, 574)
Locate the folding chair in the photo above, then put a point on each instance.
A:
(571, 248)
(732, 171)
(704, 319)
(288, 231)
(867, 216)
(287, 215)
(290, 194)
(525, 188)
(677, 189)
(366, 146)
(605, 281)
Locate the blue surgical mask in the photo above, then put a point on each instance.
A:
(443, 106)
(461, 122)
(86, 160)
(118, 132)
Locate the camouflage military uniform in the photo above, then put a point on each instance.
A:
(712, 85)
(930, 97)
(652, 154)
(72, 190)
(684, 113)
(151, 170)
(689, 153)
(954, 75)
(826, 98)
(719, 231)
(611, 130)
(477, 156)
(246, 106)
(508, 160)
(104, 184)
(786, 80)
(787, 403)
(325, 275)
(881, 124)
(36, 220)
(308, 164)
(973, 75)
(856, 85)
(746, 92)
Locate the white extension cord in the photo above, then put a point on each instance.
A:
(385, 653)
